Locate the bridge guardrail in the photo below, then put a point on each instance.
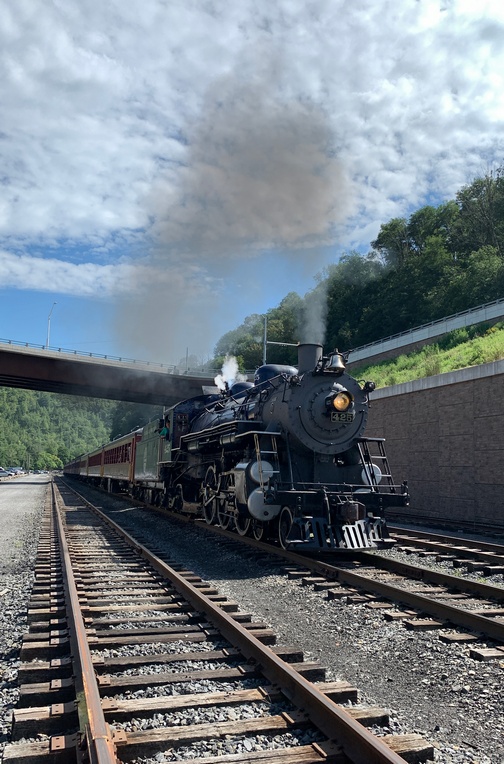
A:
(149, 365)
(173, 369)
(436, 322)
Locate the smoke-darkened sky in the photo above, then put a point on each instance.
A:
(169, 168)
(261, 187)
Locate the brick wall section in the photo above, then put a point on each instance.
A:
(447, 441)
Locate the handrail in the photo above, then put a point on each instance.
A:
(430, 323)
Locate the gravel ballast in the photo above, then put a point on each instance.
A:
(22, 501)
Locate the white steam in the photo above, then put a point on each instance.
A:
(229, 374)
(313, 325)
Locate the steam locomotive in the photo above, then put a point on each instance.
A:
(281, 457)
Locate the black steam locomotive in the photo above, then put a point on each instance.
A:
(285, 456)
(282, 457)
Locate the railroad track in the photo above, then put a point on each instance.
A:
(429, 599)
(481, 556)
(450, 525)
(461, 609)
(130, 658)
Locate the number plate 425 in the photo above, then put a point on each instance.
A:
(342, 416)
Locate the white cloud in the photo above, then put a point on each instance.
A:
(88, 279)
(56, 276)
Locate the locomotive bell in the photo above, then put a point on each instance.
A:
(336, 363)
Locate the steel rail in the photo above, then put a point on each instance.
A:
(320, 708)
(456, 616)
(462, 548)
(361, 746)
(99, 738)
(324, 567)
(488, 546)
(430, 576)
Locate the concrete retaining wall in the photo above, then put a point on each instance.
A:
(445, 436)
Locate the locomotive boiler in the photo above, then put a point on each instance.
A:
(284, 456)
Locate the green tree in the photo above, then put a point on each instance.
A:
(247, 341)
(46, 430)
(481, 219)
(127, 417)
(350, 283)
(481, 280)
(392, 243)
(421, 226)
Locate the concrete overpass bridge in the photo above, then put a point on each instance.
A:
(35, 367)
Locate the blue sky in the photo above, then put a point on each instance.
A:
(169, 168)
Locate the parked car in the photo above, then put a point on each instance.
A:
(16, 470)
(5, 473)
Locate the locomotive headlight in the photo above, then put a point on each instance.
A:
(340, 402)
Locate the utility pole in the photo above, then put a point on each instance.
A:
(267, 342)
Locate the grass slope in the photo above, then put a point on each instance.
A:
(471, 346)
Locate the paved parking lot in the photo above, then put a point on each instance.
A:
(21, 503)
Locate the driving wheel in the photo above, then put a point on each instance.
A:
(242, 523)
(210, 489)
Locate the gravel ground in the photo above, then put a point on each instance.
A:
(428, 687)
(21, 504)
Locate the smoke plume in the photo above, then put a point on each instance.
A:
(313, 325)
(260, 175)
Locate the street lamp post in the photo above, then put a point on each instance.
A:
(49, 324)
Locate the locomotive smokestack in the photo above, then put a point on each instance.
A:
(309, 354)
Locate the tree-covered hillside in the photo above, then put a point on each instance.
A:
(439, 261)
(46, 430)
